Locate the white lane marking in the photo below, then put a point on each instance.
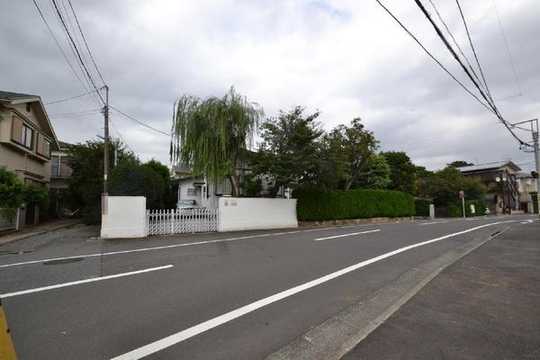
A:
(344, 235)
(30, 262)
(527, 221)
(85, 281)
(231, 315)
(433, 222)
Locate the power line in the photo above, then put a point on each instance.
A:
(452, 51)
(510, 58)
(70, 98)
(58, 44)
(86, 43)
(77, 51)
(454, 39)
(497, 113)
(474, 51)
(140, 122)
(432, 56)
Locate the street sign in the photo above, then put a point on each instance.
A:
(461, 194)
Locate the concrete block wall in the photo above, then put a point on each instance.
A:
(125, 217)
(256, 213)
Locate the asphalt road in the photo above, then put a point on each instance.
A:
(207, 296)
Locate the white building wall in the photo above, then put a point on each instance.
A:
(256, 213)
(125, 217)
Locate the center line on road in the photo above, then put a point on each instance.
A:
(164, 247)
(180, 336)
(84, 281)
(344, 235)
(433, 222)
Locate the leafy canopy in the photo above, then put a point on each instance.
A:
(210, 135)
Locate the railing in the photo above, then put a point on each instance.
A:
(177, 221)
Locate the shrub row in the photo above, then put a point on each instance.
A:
(422, 206)
(315, 205)
(455, 210)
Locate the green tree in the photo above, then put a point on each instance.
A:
(130, 178)
(86, 182)
(402, 171)
(352, 148)
(210, 135)
(459, 163)
(376, 174)
(169, 196)
(12, 193)
(444, 187)
(290, 149)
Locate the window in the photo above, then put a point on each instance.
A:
(27, 136)
(191, 191)
(44, 145)
(55, 166)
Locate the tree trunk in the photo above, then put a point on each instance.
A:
(235, 186)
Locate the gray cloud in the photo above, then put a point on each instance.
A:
(344, 58)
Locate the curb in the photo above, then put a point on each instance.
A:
(8, 239)
(338, 335)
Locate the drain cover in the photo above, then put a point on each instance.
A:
(63, 261)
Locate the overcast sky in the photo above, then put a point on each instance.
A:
(345, 58)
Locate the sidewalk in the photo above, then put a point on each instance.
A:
(485, 306)
(37, 230)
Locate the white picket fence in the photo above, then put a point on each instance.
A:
(177, 221)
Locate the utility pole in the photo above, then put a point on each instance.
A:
(536, 151)
(537, 161)
(105, 152)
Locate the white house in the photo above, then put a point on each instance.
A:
(527, 188)
(202, 192)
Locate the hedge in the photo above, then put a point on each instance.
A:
(315, 205)
(422, 207)
(455, 210)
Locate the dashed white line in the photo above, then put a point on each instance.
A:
(84, 281)
(344, 235)
(433, 222)
(180, 336)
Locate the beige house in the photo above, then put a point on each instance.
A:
(26, 141)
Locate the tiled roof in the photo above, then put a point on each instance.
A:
(10, 96)
(488, 166)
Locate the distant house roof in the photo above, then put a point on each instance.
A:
(489, 167)
(12, 97)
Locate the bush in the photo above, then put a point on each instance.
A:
(422, 206)
(455, 210)
(354, 204)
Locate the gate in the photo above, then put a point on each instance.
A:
(177, 221)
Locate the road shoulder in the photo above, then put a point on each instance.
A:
(485, 306)
(335, 337)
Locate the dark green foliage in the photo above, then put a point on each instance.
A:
(456, 209)
(459, 163)
(131, 178)
(422, 206)
(14, 193)
(402, 172)
(290, 151)
(444, 186)
(353, 204)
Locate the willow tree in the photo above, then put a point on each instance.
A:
(210, 135)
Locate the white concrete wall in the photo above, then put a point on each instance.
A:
(256, 213)
(125, 217)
